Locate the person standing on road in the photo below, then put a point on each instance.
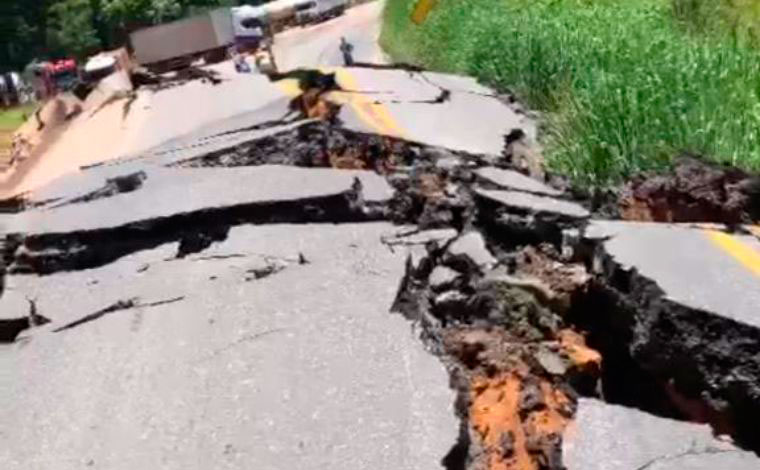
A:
(347, 49)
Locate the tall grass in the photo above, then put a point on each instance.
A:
(626, 84)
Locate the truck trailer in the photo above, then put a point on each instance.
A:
(178, 44)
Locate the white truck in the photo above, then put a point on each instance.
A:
(175, 45)
(250, 25)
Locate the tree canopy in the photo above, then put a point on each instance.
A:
(48, 29)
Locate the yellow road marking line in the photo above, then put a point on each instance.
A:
(375, 115)
(746, 255)
(289, 87)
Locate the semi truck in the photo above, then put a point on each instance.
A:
(178, 44)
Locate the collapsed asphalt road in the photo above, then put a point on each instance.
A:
(228, 300)
(225, 300)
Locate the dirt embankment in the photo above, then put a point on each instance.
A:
(694, 191)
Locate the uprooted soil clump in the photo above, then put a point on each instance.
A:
(694, 191)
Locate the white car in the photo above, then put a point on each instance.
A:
(99, 66)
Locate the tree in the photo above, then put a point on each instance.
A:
(128, 14)
(72, 29)
(41, 28)
(22, 32)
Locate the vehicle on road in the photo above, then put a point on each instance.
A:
(178, 44)
(64, 74)
(320, 10)
(250, 25)
(98, 67)
(10, 89)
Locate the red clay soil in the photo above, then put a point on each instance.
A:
(518, 413)
(694, 191)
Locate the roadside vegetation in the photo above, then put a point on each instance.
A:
(625, 85)
(12, 118)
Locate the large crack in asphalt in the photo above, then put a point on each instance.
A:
(48, 253)
(524, 313)
(671, 359)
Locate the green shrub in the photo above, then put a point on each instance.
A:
(624, 85)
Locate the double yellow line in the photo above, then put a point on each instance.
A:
(374, 115)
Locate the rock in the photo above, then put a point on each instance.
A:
(551, 362)
(448, 163)
(437, 154)
(535, 286)
(442, 277)
(510, 179)
(450, 304)
(472, 248)
(534, 204)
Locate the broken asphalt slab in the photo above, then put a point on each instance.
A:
(682, 306)
(204, 142)
(534, 204)
(151, 275)
(302, 369)
(167, 192)
(185, 109)
(513, 180)
(419, 109)
(173, 202)
(610, 437)
(708, 277)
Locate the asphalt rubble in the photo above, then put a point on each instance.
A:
(538, 327)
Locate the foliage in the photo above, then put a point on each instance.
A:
(623, 84)
(741, 18)
(22, 32)
(61, 28)
(125, 13)
(71, 27)
(11, 119)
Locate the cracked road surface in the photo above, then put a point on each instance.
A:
(302, 369)
(384, 290)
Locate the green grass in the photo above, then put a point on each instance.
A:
(625, 84)
(11, 119)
